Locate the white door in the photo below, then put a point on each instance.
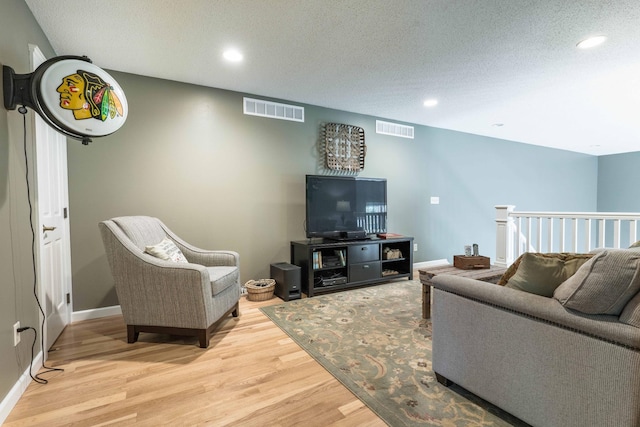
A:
(54, 255)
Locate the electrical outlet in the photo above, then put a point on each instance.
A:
(415, 247)
(16, 334)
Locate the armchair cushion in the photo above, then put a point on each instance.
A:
(166, 250)
(604, 284)
(222, 277)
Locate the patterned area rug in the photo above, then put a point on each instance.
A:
(376, 343)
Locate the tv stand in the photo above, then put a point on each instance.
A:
(331, 265)
(347, 239)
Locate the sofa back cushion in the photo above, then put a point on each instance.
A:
(631, 312)
(141, 230)
(542, 273)
(604, 284)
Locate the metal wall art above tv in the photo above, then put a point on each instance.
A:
(345, 206)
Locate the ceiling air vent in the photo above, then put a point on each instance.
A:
(273, 110)
(394, 129)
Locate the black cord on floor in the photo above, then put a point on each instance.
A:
(35, 378)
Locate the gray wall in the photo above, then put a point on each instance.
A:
(471, 174)
(619, 183)
(618, 190)
(18, 28)
(221, 179)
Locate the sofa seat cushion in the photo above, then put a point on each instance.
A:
(223, 277)
(604, 284)
(542, 273)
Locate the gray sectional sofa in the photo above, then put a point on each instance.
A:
(539, 357)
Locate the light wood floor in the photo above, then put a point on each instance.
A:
(252, 374)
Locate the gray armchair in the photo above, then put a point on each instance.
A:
(164, 296)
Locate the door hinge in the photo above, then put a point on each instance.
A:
(65, 213)
(68, 298)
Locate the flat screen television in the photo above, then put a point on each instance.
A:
(345, 207)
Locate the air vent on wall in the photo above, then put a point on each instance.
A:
(394, 129)
(273, 110)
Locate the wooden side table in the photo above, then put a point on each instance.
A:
(491, 275)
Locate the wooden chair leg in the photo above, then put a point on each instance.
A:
(203, 337)
(132, 334)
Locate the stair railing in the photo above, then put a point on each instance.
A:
(519, 232)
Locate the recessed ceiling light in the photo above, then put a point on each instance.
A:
(430, 102)
(591, 42)
(232, 55)
(497, 125)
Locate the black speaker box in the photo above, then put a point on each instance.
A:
(287, 277)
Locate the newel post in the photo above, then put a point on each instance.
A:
(505, 236)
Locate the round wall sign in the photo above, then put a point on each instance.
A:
(78, 97)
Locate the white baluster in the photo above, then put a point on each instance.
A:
(518, 250)
(539, 242)
(528, 233)
(574, 234)
(616, 233)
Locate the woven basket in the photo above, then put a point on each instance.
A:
(260, 290)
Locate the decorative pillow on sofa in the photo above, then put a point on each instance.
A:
(537, 275)
(635, 245)
(509, 272)
(604, 284)
(542, 273)
(166, 250)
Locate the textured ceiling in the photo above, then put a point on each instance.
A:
(492, 61)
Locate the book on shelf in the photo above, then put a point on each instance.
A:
(389, 235)
(317, 260)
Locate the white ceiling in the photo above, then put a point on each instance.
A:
(513, 62)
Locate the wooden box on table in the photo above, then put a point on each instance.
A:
(471, 262)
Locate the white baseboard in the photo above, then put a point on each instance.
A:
(427, 264)
(95, 313)
(10, 400)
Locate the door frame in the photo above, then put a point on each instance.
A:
(36, 56)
